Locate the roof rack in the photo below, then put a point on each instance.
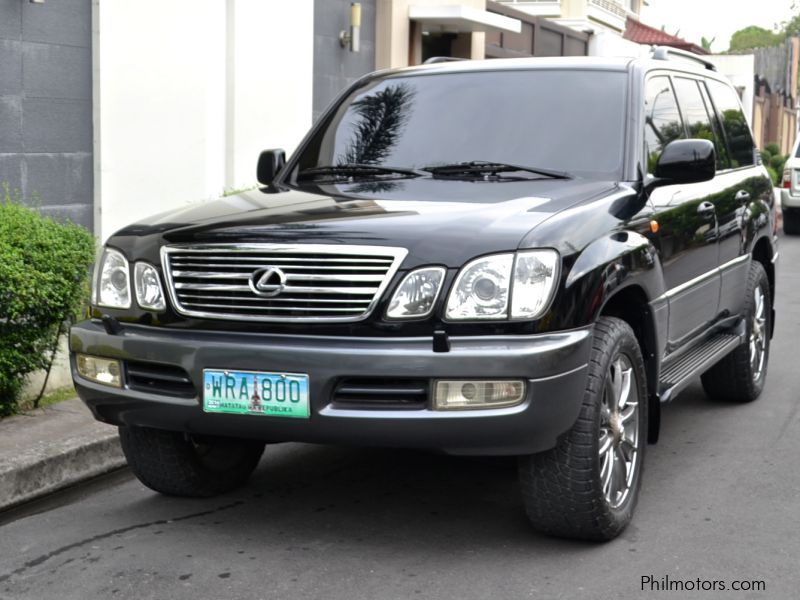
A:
(667, 52)
(440, 59)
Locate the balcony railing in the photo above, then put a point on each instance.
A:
(617, 7)
(613, 6)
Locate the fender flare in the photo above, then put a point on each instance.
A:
(611, 263)
(627, 264)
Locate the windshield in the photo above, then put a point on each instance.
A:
(564, 120)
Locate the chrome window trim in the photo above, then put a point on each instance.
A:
(397, 253)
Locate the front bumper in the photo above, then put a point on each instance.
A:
(554, 366)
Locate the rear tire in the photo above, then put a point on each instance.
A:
(177, 464)
(739, 377)
(791, 221)
(587, 486)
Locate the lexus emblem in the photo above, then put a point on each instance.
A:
(267, 281)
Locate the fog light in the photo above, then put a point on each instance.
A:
(465, 394)
(101, 370)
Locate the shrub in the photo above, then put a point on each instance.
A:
(772, 148)
(774, 176)
(765, 157)
(44, 268)
(777, 162)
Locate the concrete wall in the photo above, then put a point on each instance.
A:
(270, 94)
(775, 66)
(46, 105)
(335, 67)
(160, 91)
(187, 94)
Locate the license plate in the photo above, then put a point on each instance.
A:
(256, 393)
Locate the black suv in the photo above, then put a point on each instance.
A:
(518, 257)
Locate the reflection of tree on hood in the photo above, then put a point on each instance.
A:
(382, 116)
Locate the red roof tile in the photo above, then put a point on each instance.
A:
(640, 33)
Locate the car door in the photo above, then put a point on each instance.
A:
(687, 226)
(743, 183)
(731, 189)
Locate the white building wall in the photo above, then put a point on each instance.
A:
(740, 69)
(187, 93)
(607, 43)
(273, 73)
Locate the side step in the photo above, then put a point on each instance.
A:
(680, 373)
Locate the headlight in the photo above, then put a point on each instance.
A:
(417, 293)
(535, 273)
(149, 294)
(481, 289)
(484, 287)
(113, 281)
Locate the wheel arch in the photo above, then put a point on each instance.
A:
(764, 254)
(619, 275)
(632, 305)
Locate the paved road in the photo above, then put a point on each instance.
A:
(719, 502)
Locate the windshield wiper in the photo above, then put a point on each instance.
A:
(349, 170)
(486, 168)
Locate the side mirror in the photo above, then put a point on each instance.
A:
(269, 163)
(686, 161)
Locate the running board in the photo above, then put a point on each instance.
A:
(680, 373)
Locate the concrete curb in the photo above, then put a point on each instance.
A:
(49, 449)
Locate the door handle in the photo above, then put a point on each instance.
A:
(706, 209)
(742, 196)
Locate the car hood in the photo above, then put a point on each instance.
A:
(445, 222)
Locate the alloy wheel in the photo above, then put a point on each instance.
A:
(758, 334)
(619, 432)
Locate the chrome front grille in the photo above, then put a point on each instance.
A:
(278, 282)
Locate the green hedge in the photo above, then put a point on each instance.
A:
(774, 175)
(772, 148)
(774, 161)
(44, 276)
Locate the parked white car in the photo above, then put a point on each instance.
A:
(790, 192)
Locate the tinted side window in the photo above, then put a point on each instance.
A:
(696, 116)
(723, 154)
(737, 131)
(662, 119)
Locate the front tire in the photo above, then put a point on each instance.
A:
(739, 377)
(587, 486)
(178, 464)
